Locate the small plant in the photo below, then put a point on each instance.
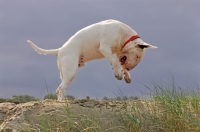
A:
(169, 109)
(50, 96)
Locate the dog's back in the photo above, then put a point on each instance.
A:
(87, 40)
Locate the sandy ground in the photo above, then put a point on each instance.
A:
(27, 116)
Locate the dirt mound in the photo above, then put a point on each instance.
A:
(29, 116)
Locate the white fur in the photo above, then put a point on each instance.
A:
(101, 40)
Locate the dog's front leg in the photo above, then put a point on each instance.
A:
(107, 52)
(127, 76)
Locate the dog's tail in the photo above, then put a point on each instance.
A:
(43, 51)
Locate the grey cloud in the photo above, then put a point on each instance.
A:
(171, 25)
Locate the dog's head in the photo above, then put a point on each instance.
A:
(133, 54)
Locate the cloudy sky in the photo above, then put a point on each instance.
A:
(173, 26)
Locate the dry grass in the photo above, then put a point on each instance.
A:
(168, 110)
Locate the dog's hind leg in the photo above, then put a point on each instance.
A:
(61, 77)
(68, 69)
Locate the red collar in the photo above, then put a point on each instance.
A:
(131, 39)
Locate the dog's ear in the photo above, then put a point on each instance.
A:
(145, 45)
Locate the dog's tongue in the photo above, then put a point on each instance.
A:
(122, 63)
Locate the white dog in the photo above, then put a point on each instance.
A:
(110, 39)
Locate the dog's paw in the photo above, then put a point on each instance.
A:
(127, 76)
(127, 79)
(118, 72)
(60, 97)
(118, 75)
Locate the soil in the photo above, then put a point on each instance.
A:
(27, 116)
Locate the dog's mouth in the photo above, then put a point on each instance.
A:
(123, 60)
